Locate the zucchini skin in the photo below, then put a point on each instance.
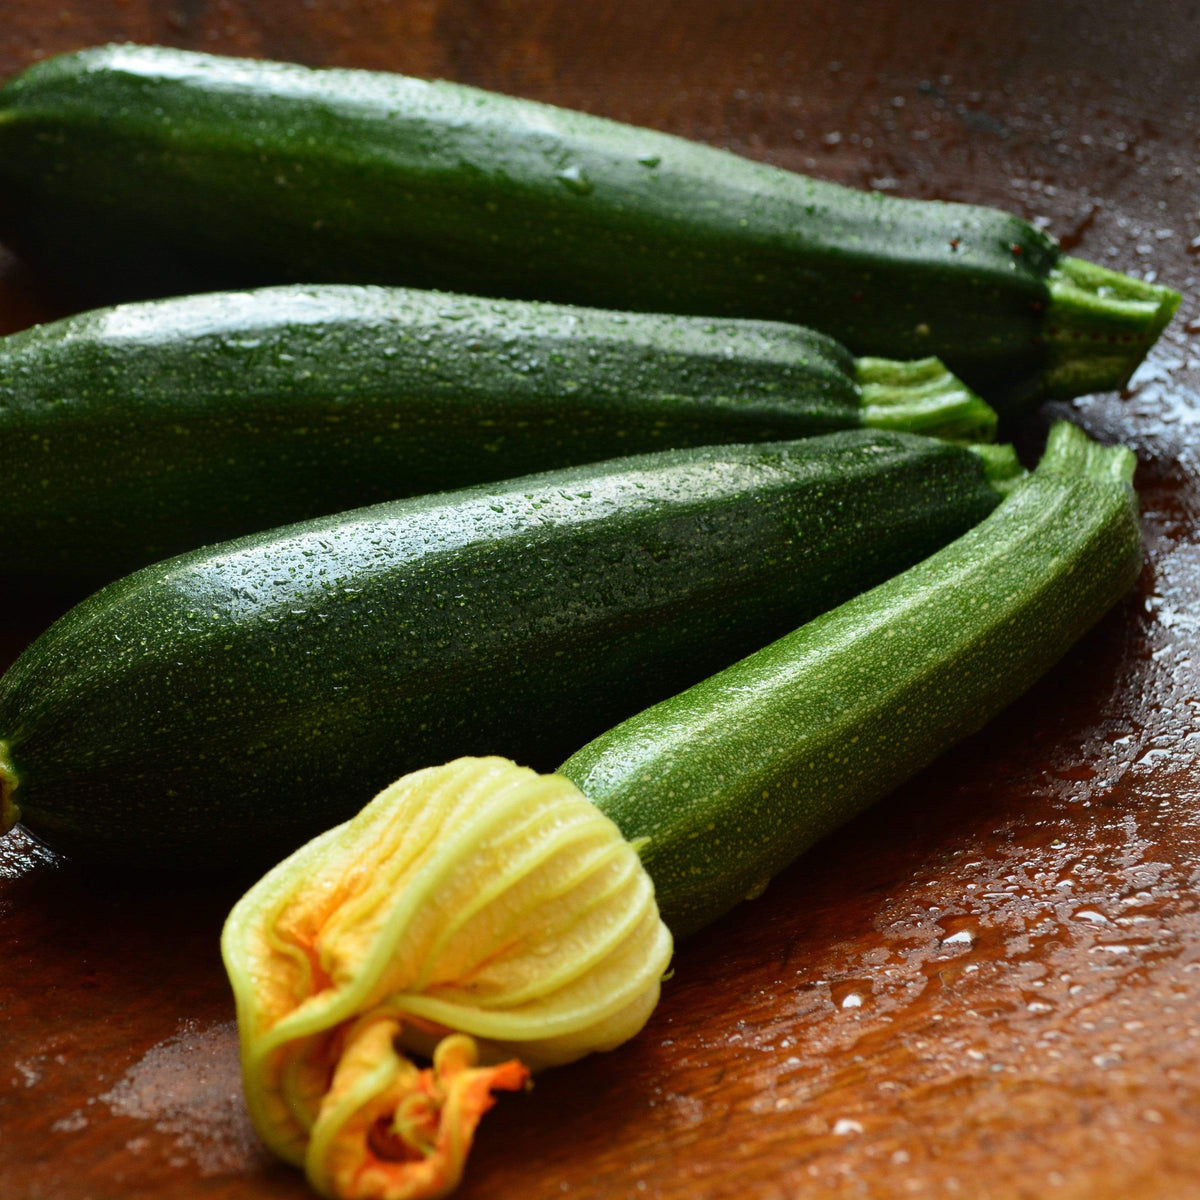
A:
(725, 784)
(133, 171)
(137, 432)
(220, 708)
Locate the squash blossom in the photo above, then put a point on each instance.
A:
(476, 913)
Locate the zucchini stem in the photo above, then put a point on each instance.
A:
(1001, 467)
(922, 396)
(1071, 453)
(1098, 327)
(10, 810)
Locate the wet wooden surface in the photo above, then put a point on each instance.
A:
(986, 987)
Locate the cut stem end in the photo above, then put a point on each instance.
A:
(1098, 327)
(1069, 451)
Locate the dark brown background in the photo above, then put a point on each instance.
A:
(985, 988)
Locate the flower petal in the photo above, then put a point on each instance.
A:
(387, 1131)
(478, 897)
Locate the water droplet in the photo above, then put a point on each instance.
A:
(574, 179)
(850, 993)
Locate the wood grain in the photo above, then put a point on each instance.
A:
(989, 986)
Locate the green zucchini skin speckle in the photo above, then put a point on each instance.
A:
(726, 783)
(137, 171)
(140, 431)
(221, 707)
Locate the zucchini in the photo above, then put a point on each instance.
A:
(221, 707)
(133, 171)
(140, 431)
(722, 786)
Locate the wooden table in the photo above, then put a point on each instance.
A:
(989, 986)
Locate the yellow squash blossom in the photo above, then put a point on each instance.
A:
(475, 912)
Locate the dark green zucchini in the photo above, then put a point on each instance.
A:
(140, 431)
(134, 170)
(722, 786)
(222, 706)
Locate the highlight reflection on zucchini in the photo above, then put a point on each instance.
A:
(481, 900)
